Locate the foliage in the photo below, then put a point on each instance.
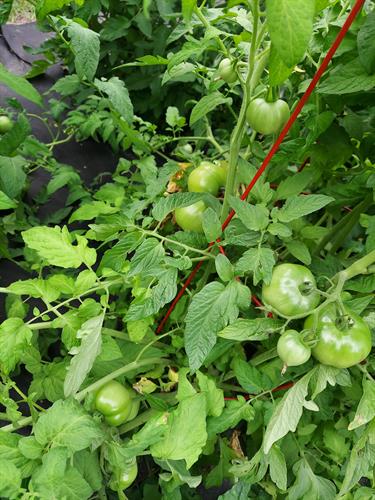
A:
(217, 405)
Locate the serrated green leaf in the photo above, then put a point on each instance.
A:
(20, 86)
(85, 355)
(290, 42)
(207, 104)
(298, 206)
(287, 413)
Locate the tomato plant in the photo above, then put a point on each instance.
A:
(267, 117)
(209, 332)
(291, 348)
(292, 290)
(343, 339)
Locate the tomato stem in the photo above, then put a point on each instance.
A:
(239, 129)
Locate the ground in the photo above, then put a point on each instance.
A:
(22, 12)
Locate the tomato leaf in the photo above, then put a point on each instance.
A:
(86, 49)
(210, 311)
(186, 434)
(259, 261)
(307, 483)
(288, 412)
(214, 396)
(67, 424)
(346, 79)
(254, 217)
(366, 407)
(84, 356)
(118, 96)
(53, 244)
(15, 339)
(207, 104)
(20, 86)
(298, 206)
(243, 330)
(297, 24)
(366, 43)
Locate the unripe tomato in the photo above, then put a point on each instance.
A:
(343, 341)
(204, 179)
(267, 117)
(6, 124)
(125, 478)
(186, 148)
(291, 291)
(292, 350)
(221, 169)
(190, 218)
(227, 71)
(114, 401)
(119, 417)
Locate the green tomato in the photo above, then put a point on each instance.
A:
(186, 148)
(291, 291)
(227, 71)
(267, 117)
(343, 341)
(6, 124)
(221, 170)
(204, 179)
(190, 218)
(292, 350)
(125, 478)
(114, 400)
(119, 417)
(134, 409)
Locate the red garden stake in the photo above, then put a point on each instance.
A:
(301, 103)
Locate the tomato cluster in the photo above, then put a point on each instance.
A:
(206, 178)
(337, 337)
(6, 124)
(117, 403)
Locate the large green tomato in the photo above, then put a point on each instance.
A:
(291, 291)
(227, 71)
(114, 401)
(204, 179)
(125, 478)
(267, 117)
(221, 169)
(343, 341)
(190, 218)
(6, 124)
(292, 350)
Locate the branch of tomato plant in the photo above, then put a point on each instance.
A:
(53, 309)
(189, 138)
(174, 242)
(24, 422)
(239, 129)
(117, 373)
(207, 25)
